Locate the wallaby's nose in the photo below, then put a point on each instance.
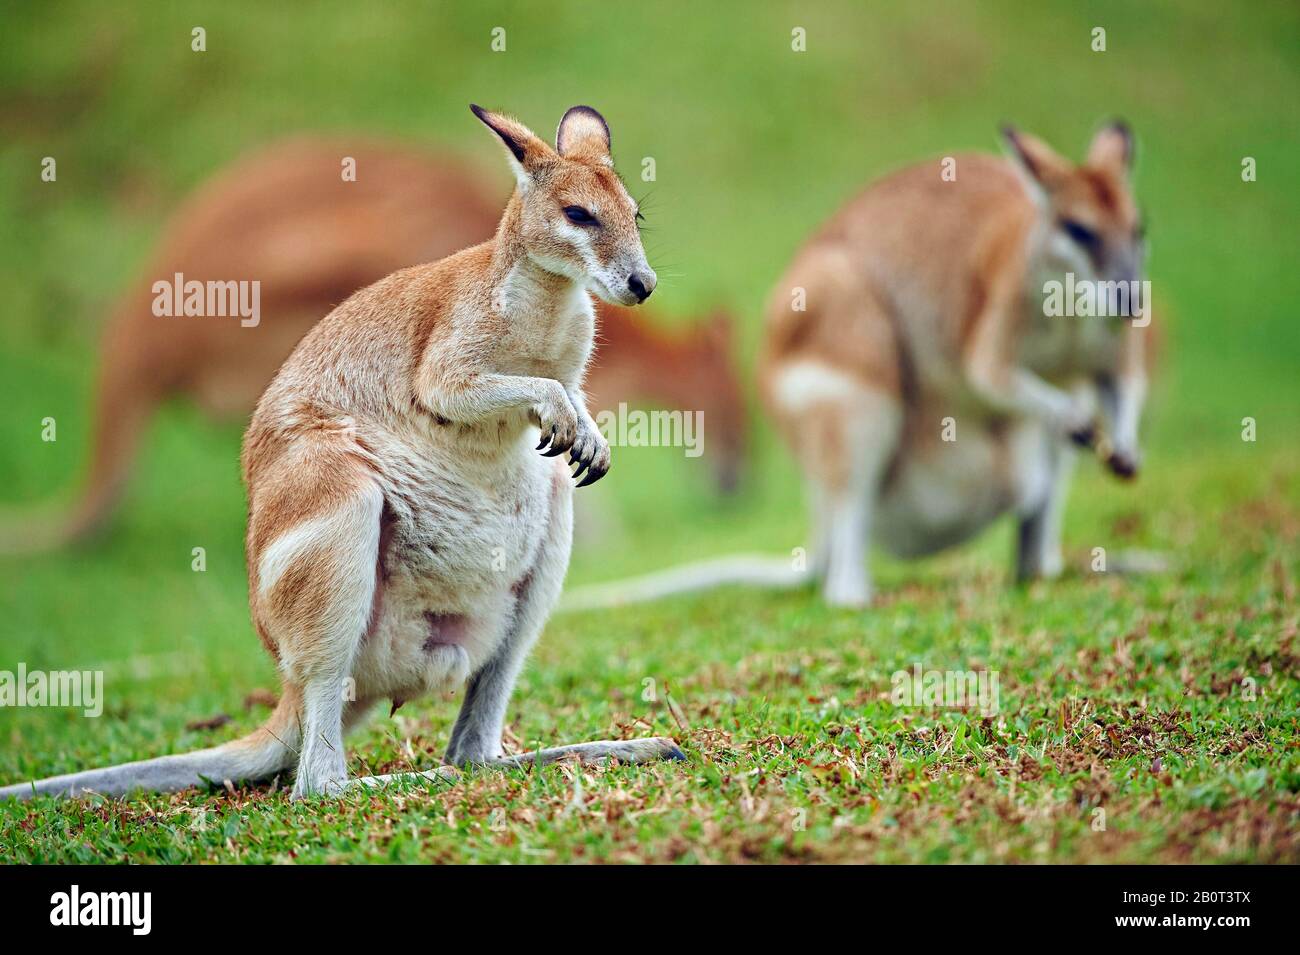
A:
(641, 285)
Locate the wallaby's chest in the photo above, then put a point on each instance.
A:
(1057, 346)
(550, 341)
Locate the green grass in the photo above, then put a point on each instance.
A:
(1119, 693)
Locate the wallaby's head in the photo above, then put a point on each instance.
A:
(1096, 227)
(576, 218)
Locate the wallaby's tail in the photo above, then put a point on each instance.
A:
(269, 749)
(124, 399)
(754, 569)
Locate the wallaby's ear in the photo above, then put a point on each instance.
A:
(1112, 148)
(583, 134)
(527, 151)
(1039, 161)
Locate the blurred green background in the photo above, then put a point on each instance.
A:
(755, 145)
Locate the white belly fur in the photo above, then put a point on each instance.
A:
(466, 533)
(948, 492)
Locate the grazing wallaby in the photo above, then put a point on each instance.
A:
(406, 531)
(288, 218)
(917, 314)
(924, 390)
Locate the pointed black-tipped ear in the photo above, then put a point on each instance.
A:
(583, 134)
(1034, 156)
(527, 151)
(493, 123)
(1112, 148)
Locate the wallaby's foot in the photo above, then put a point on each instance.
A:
(472, 753)
(306, 787)
(1034, 564)
(846, 590)
(590, 452)
(628, 751)
(320, 773)
(1044, 568)
(624, 750)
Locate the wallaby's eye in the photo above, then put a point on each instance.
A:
(1079, 233)
(579, 216)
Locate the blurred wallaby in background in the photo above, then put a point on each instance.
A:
(927, 389)
(910, 364)
(287, 218)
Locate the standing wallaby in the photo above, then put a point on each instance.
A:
(923, 388)
(288, 217)
(406, 531)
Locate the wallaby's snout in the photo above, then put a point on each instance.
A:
(642, 284)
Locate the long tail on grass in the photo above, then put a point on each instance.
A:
(270, 749)
(757, 570)
(124, 400)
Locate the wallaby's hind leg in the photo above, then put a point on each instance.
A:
(1038, 542)
(859, 442)
(844, 432)
(476, 737)
(833, 380)
(314, 550)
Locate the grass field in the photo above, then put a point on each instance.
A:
(1169, 702)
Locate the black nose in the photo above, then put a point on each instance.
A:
(638, 288)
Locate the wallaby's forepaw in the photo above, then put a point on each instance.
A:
(590, 452)
(1084, 435)
(1123, 465)
(558, 422)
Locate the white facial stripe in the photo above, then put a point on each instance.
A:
(1065, 252)
(579, 260)
(580, 238)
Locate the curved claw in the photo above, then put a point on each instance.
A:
(546, 439)
(1084, 437)
(592, 477)
(553, 452)
(582, 466)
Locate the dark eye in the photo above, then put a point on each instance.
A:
(579, 216)
(1079, 233)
